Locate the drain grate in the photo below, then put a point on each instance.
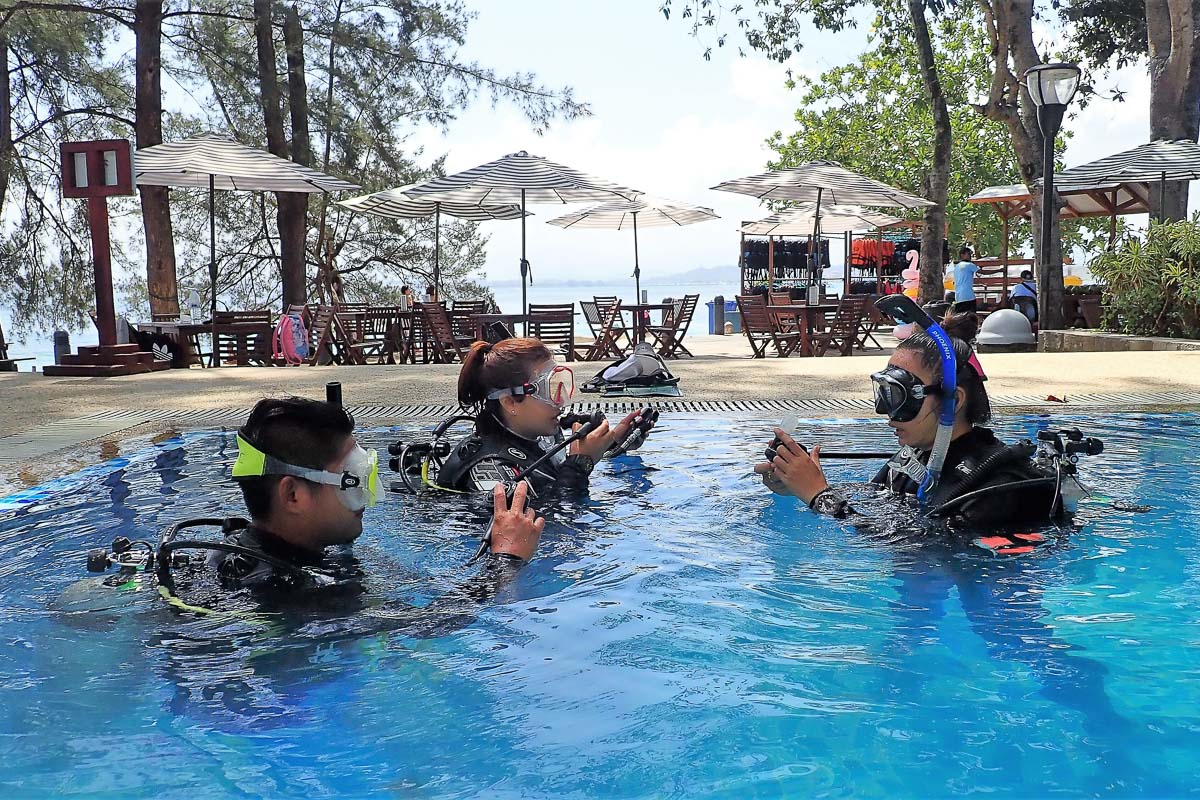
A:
(53, 436)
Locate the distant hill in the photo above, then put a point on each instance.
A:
(698, 275)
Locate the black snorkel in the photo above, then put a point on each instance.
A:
(904, 310)
(586, 428)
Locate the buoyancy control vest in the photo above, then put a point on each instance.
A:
(1004, 483)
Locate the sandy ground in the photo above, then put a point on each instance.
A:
(722, 370)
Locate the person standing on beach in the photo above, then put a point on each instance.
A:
(964, 282)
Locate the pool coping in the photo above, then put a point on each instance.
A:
(63, 434)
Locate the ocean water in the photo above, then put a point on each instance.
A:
(682, 633)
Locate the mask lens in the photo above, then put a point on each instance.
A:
(362, 466)
(560, 384)
(894, 394)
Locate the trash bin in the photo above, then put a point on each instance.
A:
(731, 317)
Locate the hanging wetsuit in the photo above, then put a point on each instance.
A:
(975, 461)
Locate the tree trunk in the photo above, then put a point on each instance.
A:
(1172, 28)
(934, 231)
(161, 279)
(293, 206)
(5, 121)
(290, 210)
(1009, 26)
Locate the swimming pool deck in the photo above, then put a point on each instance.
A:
(51, 426)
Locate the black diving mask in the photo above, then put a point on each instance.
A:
(900, 394)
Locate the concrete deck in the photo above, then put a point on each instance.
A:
(35, 405)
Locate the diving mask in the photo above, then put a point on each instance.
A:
(900, 394)
(357, 483)
(555, 386)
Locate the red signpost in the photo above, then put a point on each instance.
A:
(98, 170)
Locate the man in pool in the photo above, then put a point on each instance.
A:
(307, 484)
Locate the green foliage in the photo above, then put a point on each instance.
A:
(872, 116)
(1106, 32)
(394, 66)
(1152, 284)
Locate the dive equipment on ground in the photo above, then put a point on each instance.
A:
(903, 309)
(641, 369)
(586, 428)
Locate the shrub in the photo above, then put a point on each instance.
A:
(1152, 284)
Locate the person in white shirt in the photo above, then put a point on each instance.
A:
(1024, 296)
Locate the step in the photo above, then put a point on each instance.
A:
(103, 370)
(95, 349)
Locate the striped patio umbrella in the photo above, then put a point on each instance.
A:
(212, 161)
(521, 178)
(1158, 161)
(618, 215)
(819, 181)
(395, 204)
(798, 220)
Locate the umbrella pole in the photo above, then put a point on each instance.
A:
(212, 242)
(637, 270)
(1162, 197)
(437, 257)
(814, 253)
(524, 266)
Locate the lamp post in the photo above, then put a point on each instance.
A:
(1051, 87)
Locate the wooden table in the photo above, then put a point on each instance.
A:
(389, 327)
(641, 317)
(810, 314)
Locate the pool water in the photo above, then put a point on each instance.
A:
(683, 633)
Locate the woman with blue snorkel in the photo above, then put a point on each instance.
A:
(933, 394)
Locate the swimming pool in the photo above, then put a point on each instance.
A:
(685, 635)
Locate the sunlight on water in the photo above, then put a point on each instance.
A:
(682, 634)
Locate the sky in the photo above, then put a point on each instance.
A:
(667, 122)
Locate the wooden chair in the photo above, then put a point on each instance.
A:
(320, 336)
(439, 334)
(843, 328)
(376, 334)
(871, 323)
(602, 303)
(554, 325)
(461, 317)
(605, 346)
(762, 329)
(786, 322)
(669, 336)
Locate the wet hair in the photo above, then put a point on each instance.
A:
(961, 328)
(487, 367)
(964, 251)
(296, 430)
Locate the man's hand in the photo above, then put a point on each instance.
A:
(515, 529)
(793, 471)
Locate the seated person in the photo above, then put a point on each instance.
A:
(307, 484)
(518, 393)
(909, 392)
(1026, 289)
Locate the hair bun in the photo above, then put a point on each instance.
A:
(961, 326)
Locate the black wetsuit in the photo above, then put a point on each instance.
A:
(976, 460)
(332, 584)
(495, 454)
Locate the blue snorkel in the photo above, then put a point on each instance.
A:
(902, 309)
